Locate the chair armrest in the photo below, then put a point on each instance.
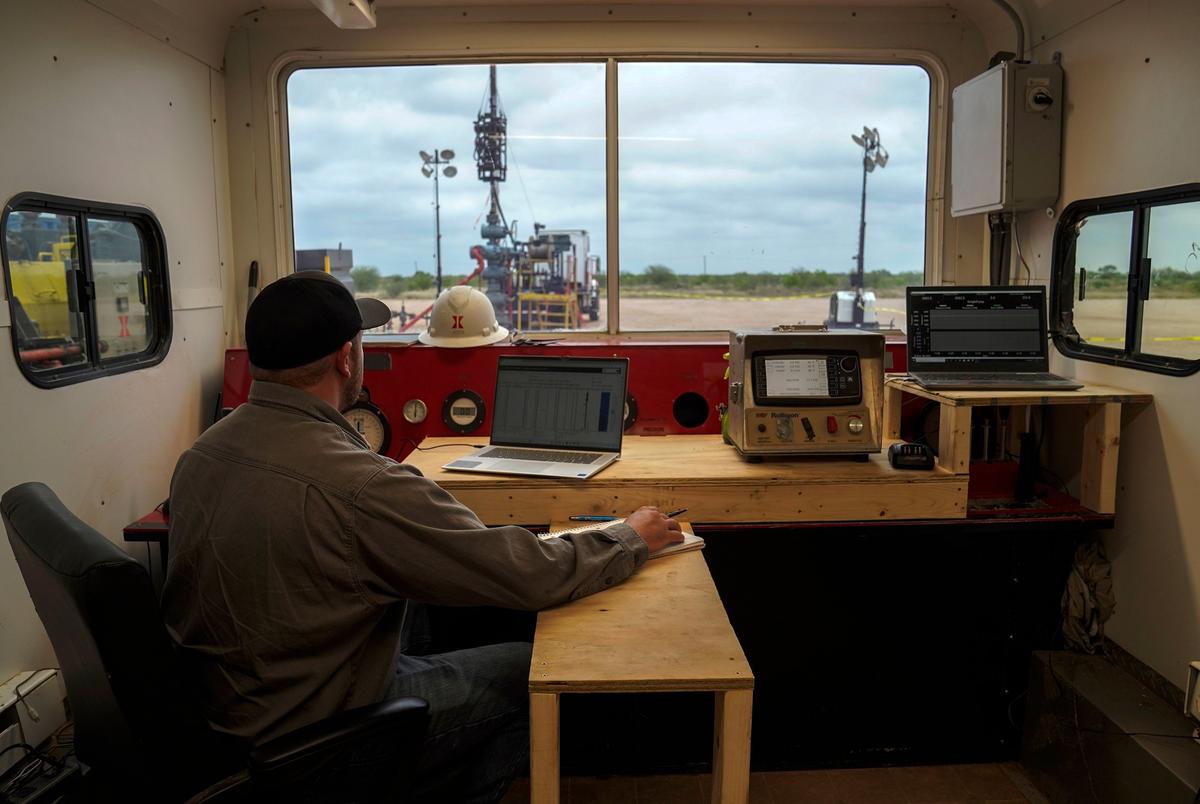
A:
(363, 755)
(403, 719)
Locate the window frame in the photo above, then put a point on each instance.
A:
(158, 289)
(936, 152)
(1066, 337)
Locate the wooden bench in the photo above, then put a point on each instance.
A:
(663, 630)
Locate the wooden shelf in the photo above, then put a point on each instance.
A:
(1101, 412)
(1087, 395)
(706, 476)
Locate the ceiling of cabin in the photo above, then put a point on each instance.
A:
(202, 28)
(224, 13)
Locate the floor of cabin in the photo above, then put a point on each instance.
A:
(931, 784)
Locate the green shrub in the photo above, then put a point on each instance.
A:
(366, 278)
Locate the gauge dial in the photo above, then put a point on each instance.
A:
(415, 411)
(463, 411)
(630, 413)
(370, 423)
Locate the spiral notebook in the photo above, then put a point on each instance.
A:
(690, 540)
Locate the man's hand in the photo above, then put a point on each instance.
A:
(656, 528)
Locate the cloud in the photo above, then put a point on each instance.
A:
(748, 165)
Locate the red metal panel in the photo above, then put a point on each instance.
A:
(659, 373)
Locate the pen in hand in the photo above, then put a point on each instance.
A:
(676, 512)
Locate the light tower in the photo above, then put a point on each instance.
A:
(874, 155)
(429, 167)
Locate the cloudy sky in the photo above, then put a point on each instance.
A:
(724, 167)
(1171, 241)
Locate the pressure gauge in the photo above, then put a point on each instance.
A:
(463, 411)
(630, 413)
(370, 423)
(415, 411)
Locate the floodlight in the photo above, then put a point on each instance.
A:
(426, 157)
(869, 165)
(348, 13)
(447, 154)
(426, 171)
(450, 171)
(858, 140)
(881, 158)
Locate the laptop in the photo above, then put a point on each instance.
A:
(553, 417)
(980, 338)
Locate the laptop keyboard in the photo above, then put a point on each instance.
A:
(551, 455)
(993, 378)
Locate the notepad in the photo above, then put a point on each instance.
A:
(690, 540)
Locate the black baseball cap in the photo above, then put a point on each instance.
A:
(305, 316)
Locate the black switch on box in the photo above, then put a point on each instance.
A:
(910, 456)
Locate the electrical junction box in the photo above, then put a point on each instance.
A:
(1006, 139)
(1191, 700)
(38, 713)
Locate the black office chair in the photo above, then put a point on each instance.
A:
(138, 721)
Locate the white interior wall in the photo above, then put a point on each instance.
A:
(1132, 112)
(262, 40)
(97, 107)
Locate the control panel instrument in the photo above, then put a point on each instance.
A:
(370, 422)
(798, 392)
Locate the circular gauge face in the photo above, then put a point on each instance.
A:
(463, 411)
(371, 424)
(415, 411)
(631, 411)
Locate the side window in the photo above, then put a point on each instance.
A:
(1125, 280)
(87, 288)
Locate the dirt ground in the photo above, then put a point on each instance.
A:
(640, 314)
(1170, 326)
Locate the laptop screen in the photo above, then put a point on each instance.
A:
(560, 402)
(977, 329)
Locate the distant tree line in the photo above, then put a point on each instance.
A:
(798, 280)
(367, 279)
(1109, 281)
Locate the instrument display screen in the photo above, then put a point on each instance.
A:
(802, 377)
(796, 377)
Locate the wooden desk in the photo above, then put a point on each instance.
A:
(1101, 428)
(706, 476)
(663, 630)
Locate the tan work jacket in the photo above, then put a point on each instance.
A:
(293, 548)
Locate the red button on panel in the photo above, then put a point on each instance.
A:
(831, 423)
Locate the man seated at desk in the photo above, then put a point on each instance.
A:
(294, 549)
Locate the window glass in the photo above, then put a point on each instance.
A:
(1125, 280)
(84, 308)
(392, 166)
(1101, 294)
(741, 192)
(1171, 315)
(43, 266)
(123, 323)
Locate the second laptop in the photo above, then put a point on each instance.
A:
(980, 338)
(553, 417)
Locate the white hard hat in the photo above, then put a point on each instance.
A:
(462, 316)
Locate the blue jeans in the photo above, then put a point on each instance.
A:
(478, 738)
